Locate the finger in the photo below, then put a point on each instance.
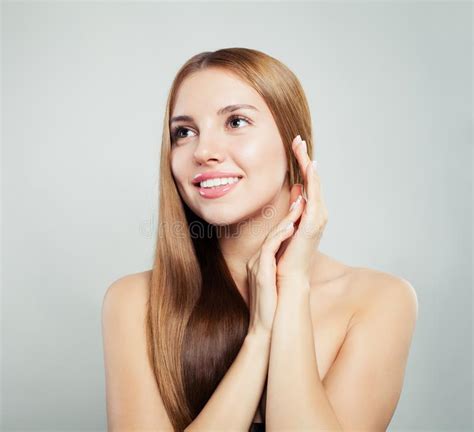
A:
(274, 241)
(252, 259)
(310, 219)
(283, 230)
(315, 216)
(296, 190)
(301, 153)
(300, 150)
(295, 212)
(317, 192)
(287, 224)
(314, 188)
(311, 184)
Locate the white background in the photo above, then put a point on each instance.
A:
(84, 87)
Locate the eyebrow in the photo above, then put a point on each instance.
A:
(227, 109)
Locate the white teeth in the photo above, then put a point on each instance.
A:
(218, 181)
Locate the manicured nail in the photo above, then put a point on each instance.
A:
(296, 202)
(298, 140)
(289, 226)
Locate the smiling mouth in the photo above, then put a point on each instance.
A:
(198, 185)
(216, 191)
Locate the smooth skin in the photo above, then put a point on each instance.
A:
(358, 325)
(350, 308)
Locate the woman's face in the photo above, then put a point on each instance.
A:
(244, 142)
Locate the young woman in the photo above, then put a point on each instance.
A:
(243, 323)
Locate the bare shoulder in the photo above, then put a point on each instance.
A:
(350, 292)
(365, 379)
(131, 287)
(379, 292)
(133, 398)
(376, 283)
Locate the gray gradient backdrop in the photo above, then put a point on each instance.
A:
(84, 88)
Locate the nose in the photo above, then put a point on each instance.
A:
(208, 149)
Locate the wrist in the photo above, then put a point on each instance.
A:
(259, 336)
(293, 287)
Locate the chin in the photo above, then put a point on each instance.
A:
(222, 218)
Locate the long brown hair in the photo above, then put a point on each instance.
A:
(196, 318)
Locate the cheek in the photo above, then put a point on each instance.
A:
(179, 167)
(175, 172)
(262, 158)
(179, 172)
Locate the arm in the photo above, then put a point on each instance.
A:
(362, 387)
(296, 399)
(133, 399)
(233, 404)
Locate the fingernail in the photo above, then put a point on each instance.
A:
(289, 226)
(295, 202)
(298, 139)
(314, 165)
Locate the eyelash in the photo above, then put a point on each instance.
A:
(175, 131)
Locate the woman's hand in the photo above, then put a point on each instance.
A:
(261, 274)
(294, 265)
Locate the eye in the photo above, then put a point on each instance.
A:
(175, 133)
(237, 117)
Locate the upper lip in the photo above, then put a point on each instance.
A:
(212, 174)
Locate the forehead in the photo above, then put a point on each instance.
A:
(211, 89)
